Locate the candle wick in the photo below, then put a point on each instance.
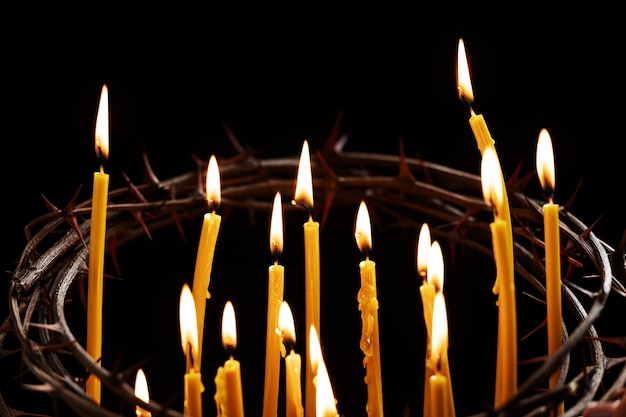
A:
(466, 102)
(305, 206)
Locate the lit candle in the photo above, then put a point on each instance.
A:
(142, 392)
(189, 339)
(97, 237)
(439, 383)
(293, 363)
(275, 289)
(546, 173)
(325, 402)
(228, 394)
(427, 292)
(439, 359)
(368, 305)
(493, 193)
(304, 195)
(206, 249)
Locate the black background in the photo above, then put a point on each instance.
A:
(174, 81)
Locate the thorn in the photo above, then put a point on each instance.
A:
(405, 172)
(569, 202)
(587, 232)
(335, 142)
(331, 191)
(68, 212)
(147, 167)
(137, 214)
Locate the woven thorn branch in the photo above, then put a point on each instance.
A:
(395, 189)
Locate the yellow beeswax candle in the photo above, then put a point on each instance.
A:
(546, 173)
(427, 293)
(304, 195)
(293, 364)
(231, 371)
(142, 392)
(97, 243)
(206, 249)
(441, 396)
(193, 387)
(275, 290)
(368, 305)
(325, 402)
(502, 242)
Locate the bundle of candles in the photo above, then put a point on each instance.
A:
(447, 197)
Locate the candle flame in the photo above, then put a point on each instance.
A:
(463, 79)
(363, 229)
(491, 178)
(141, 391)
(276, 227)
(304, 182)
(213, 187)
(188, 322)
(102, 125)
(285, 323)
(545, 162)
(229, 326)
(325, 404)
(423, 250)
(435, 266)
(439, 338)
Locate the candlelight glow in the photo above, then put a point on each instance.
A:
(463, 79)
(276, 227)
(229, 326)
(363, 229)
(286, 323)
(213, 187)
(423, 250)
(188, 322)
(102, 125)
(435, 266)
(304, 181)
(545, 162)
(325, 404)
(440, 327)
(491, 178)
(141, 391)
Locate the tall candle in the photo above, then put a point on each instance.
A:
(97, 243)
(189, 339)
(368, 305)
(427, 293)
(304, 195)
(502, 240)
(439, 359)
(439, 383)
(546, 173)
(293, 363)
(485, 141)
(325, 402)
(275, 290)
(229, 395)
(142, 392)
(206, 249)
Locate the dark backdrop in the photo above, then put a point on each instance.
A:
(174, 82)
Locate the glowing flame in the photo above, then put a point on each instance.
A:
(141, 391)
(545, 162)
(102, 125)
(491, 178)
(213, 187)
(423, 250)
(463, 79)
(188, 322)
(276, 227)
(363, 229)
(325, 404)
(229, 326)
(435, 266)
(439, 338)
(286, 323)
(304, 182)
